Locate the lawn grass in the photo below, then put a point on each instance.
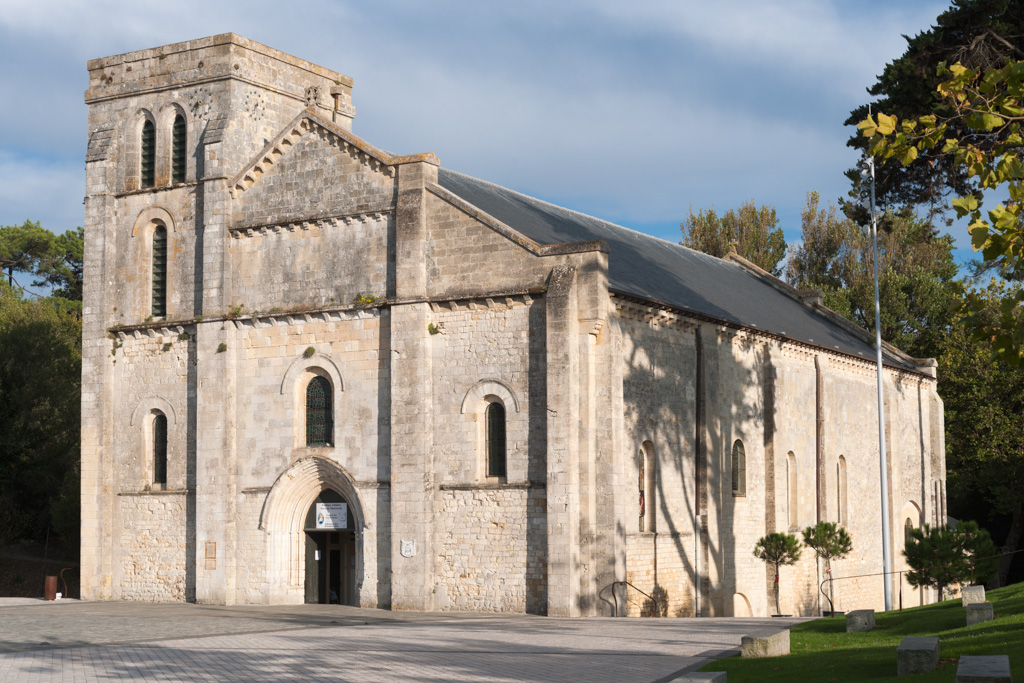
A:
(822, 650)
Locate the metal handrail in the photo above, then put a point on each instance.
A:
(657, 607)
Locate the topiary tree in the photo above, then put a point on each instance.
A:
(777, 549)
(829, 541)
(942, 555)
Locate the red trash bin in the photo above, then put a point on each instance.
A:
(50, 588)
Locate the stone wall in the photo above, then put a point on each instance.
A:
(152, 547)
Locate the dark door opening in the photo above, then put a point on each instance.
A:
(330, 553)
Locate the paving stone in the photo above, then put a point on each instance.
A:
(917, 655)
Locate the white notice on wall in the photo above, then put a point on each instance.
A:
(331, 515)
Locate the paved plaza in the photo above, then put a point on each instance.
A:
(76, 641)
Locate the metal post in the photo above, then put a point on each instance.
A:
(886, 555)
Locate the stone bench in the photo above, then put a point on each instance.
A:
(766, 644)
(989, 669)
(702, 677)
(972, 594)
(978, 612)
(860, 620)
(917, 655)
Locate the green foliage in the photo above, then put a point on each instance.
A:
(184, 336)
(433, 329)
(54, 260)
(917, 274)
(978, 33)
(167, 346)
(361, 299)
(777, 549)
(222, 347)
(308, 353)
(753, 232)
(822, 650)
(984, 414)
(979, 131)
(829, 541)
(40, 401)
(942, 555)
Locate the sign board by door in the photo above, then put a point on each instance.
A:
(332, 515)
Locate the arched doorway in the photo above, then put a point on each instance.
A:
(286, 517)
(330, 551)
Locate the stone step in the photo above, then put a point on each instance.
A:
(701, 677)
(917, 655)
(860, 620)
(773, 644)
(978, 612)
(988, 669)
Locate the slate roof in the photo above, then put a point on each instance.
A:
(660, 271)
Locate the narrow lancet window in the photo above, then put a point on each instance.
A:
(496, 455)
(178, 150)
(160, 449)
(319, 412)
(641, 481)
(739, 469)
(147, 157)
(159, 272)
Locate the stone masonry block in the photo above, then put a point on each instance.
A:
(860, 620)
(972, 594)
(766, 644)
(702, 677)
(978, 612)
(917, 655)
(989, 669)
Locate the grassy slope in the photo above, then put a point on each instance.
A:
(821, 650)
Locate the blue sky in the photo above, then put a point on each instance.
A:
(630, 111)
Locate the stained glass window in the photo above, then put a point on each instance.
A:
(319, 412)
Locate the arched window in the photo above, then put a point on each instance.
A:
(178, 139)
(908, 526)
(739, 469)
(319, 412)
(641, 482)
(160, 449)
(496, 452)
(159, 308)
(841, 492)
(147, 156)
(791, 490)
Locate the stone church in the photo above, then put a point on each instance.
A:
(318, 371)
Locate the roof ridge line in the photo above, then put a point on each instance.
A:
(579, 213)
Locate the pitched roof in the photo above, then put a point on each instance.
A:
(660, 271)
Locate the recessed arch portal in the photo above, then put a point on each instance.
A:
(284, 517)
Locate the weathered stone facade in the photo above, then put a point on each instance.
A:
(297, 251)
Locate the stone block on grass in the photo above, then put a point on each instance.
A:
(988, 669)
(773, 644)
(972, 594)
(978, 612)
(860, 620)
(702, 677)
(917, 655)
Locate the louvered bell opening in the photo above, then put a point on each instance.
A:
(160, 449)
(178, 150)
(318, 412)
(148, 156)
(159, 273)
(495, 440)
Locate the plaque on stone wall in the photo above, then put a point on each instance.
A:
(408, 548)
(331, 515)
